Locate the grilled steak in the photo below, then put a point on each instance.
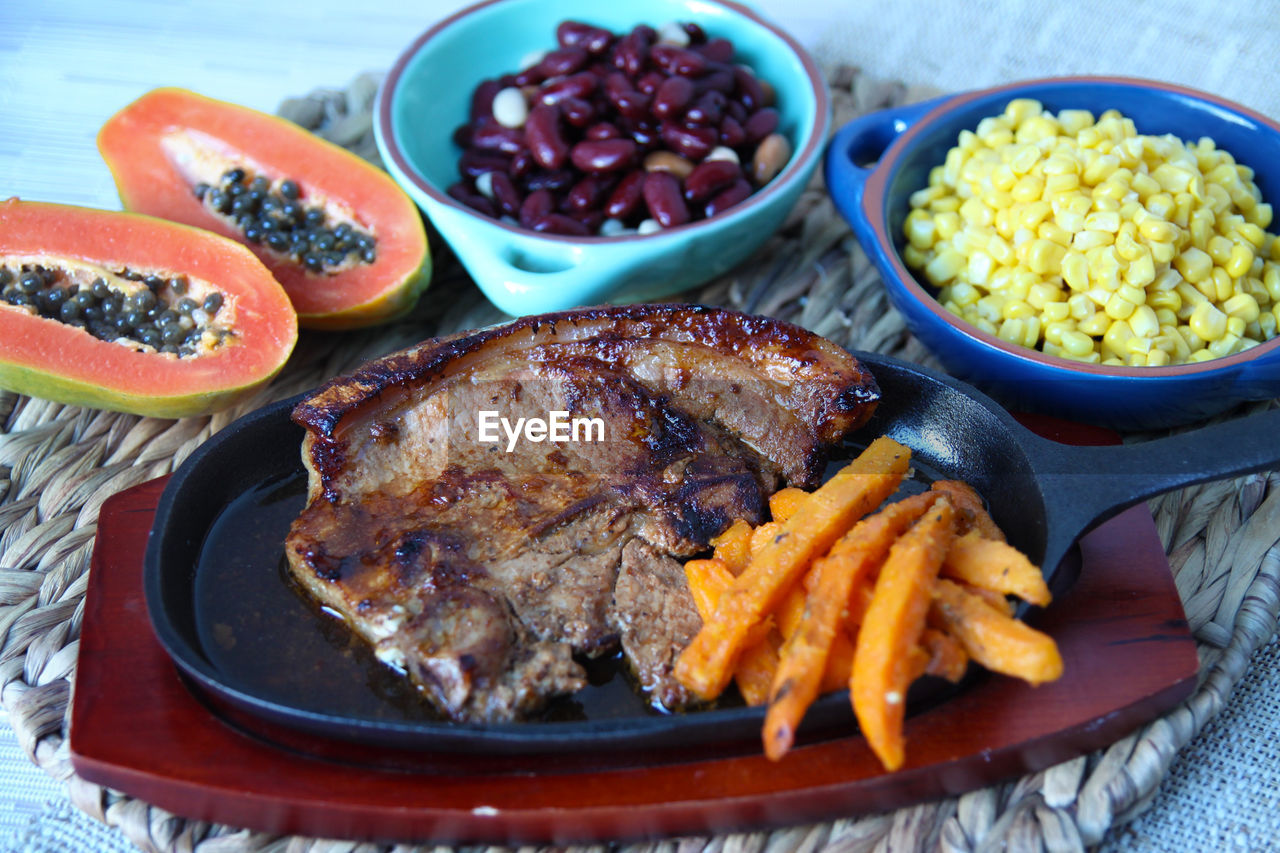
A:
(479, 567)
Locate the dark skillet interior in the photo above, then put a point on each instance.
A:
(222, 606)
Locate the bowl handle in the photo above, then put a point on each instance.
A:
(853, 152)
(527, 278)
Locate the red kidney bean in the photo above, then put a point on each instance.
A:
(735, 110)
(716, 49)
(662, 197)
(576, 33)
(648, 82)
(677, 60)
(603, 155)
(529, 77)
(707, 110)
(545, 137)
(558, 223)
(760, 124)
(590, 218)
(602, 130)
(521, 164)
(645, 133)
(736, 193)
(717, 81)
(627, 100)
(536, 205)
(645, 33)
(692, 142)
(550, 179)
(709, 177)
(631, 55)
(482, 99)
(488, 135)
(586, 193)
(462, 136)
(670, 98)
(625, 196)
(579, 85)
(473, 200)
(747, 88)
(564, 61)
(577, 112)
(505, 194)
(731, 133)
(474, 163)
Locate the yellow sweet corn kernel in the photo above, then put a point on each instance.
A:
(1054, 233)
(1156, 230)
(1194, 265)
(1055, 312)
(1261, 215)
(1116, 338)
(1219, 248)
(1103, 221)
(1056, 184)
(1083, 241)
(1143, 322)
(1223, 285)
(1141, 271)
(1271, 281)
(1034, 213)
(945, 266)
(1045, 257)
(946, 225)
(1095, 325)
(1163, 253)
(1239, 261)
(1158, 358)
(1236, 326)
(1208, 323)
(1166, 316)
(914, 257)
(1075, 343)
(1166, 299)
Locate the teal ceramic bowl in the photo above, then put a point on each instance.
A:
(427, 95)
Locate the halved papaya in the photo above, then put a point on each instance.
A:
(131, 313)
(346, 242)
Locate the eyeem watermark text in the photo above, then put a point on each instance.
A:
(556, 427)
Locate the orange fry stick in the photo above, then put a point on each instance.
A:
(947, 657)
(995, 565)
(784, 503)
(708, 579)
(994, 639)
(706, 664)
(734, 546)
(970, 510)
(831, 582)
(892, 628)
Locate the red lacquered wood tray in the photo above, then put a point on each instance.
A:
(137, 728)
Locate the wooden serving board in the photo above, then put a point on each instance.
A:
(136, 727)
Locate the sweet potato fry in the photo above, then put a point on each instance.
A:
(995, 640)
(734, 546)
(813, 658)
(784, 503)
(763, 535)
(892, 628)
(971, 513)
(995, 565)
(708, 579)
(947, 658)
(706, 664)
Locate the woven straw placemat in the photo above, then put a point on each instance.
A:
(59, 463)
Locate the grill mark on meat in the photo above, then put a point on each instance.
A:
(480, 573)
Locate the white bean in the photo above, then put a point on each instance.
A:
(672, 33)
(723, 152)
(510, 108)
(648, 226)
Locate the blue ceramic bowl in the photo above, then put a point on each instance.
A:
(427, 95)
(874, 163)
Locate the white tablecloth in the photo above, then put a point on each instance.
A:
(66, 66)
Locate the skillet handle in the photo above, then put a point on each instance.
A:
(1084, 486)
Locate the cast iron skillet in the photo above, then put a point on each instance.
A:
(1043, 494)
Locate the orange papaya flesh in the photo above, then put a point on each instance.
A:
(238, 345)
(169, 142)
